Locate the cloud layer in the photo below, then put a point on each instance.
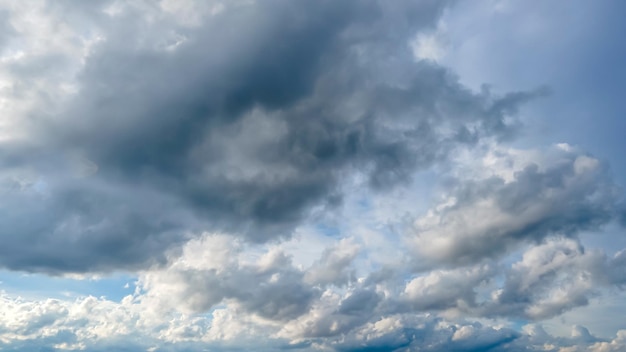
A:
(248, 121)
(235, 298)
(285, 175)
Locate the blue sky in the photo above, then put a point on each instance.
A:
(313, 176)
(574, 50)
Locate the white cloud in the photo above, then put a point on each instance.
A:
(429, 46)
(521, 199)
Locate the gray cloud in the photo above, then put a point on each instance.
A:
(218, 294)
(188, 142)
(334, 267)
(443, 289)
(551, 278)
(5, 28)
(270, 287)
(243, 122)
(486, 217)
(58, 227)
(534, 287)
(403, 333)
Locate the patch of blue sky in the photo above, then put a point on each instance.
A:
(611, 239)
(518, 323)
(601, 316)
(38, 286)
(327, 229)
(364, 204)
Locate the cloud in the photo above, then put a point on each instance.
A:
(334, 267)
(93, 324)
(225, 294)
(555, 277)
(7, 29)
(521, 200)
(280, 175)
(243, 120)
(270, 287)
(442, 289)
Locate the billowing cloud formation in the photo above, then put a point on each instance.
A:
(238, 298)
(271, 287)
(560, 192)
(243, 121)
(555, 277)
(285, 175)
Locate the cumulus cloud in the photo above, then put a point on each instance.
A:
(270, 287)
(554, 277)
(96, 324)
(442, 289)
(224, 294)
(243, 119)
(281, 175)
(518, 201)
(334, 267)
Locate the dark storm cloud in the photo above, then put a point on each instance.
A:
(59, 229)
(243, 123)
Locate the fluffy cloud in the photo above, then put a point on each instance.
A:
(519, 200)
(270, 287)
(244, 121)
(442, 289)
(555, 277)
(224, 294)
(280, 175)
(92, 324)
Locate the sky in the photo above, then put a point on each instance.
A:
(268, 175)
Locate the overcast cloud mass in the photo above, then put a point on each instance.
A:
(411, 175)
